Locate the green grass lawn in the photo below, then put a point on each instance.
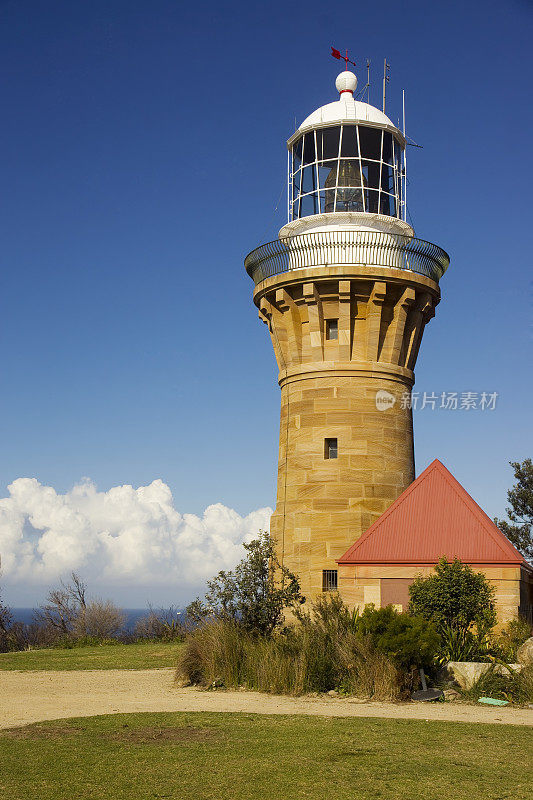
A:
(147, 655)
(243, 756)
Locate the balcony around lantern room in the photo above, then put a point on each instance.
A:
(346, 248)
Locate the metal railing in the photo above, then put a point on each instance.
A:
(332, 248)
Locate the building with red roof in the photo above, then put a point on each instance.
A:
(434, 517)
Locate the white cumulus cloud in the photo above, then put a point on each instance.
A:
(122, 537)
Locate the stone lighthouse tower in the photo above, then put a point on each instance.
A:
(346, 291)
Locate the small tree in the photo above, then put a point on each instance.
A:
(63, 606)
(255, 594)
(521, 511)
(68, 614)
(454, 598)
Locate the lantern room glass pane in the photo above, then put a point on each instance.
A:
(387, 178)
(349, 186)
(327, 143)
(372, 201)
(349, 145)
(370, 141)
(387, 204)
(309, 155)
(324, 173)
(308, 205)
(308, 179)
(297, 155)
(371, 171)
(387, 148)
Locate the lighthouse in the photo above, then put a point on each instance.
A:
(346, 292)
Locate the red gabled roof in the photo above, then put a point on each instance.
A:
(433, 517)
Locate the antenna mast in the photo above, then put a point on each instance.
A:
(404, 162)
(368, 80)
(386, 78)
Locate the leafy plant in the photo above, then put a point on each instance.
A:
(458, 644)
(253, 596)
(408, 640)
(455, 597)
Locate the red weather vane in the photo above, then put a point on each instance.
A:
(336, 54)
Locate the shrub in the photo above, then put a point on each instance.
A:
(368, 673)
(6, 623)
(99, 619)
(458, 644)
(163, 625)
(455, 597)
(255, 594)
(410, 641)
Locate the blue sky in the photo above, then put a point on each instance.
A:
(143, 155)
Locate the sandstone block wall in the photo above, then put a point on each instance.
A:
(328, 390)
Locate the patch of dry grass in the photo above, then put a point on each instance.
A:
(305, 659)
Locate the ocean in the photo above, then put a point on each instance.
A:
(25, 615)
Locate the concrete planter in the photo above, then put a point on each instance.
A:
(466, 673)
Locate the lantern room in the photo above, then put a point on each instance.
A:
(347, 157)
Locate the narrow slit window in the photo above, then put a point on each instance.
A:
(332, 329)
(330, 448)
(329, 580)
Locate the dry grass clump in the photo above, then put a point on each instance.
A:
(324, 651)
(369, 673)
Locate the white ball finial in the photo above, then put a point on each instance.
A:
(346, 82)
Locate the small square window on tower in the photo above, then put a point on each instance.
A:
(332, 329)
(330, 448)
(329, 580)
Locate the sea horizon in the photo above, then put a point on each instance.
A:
(25, 615)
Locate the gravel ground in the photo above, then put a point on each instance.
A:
(27, 697)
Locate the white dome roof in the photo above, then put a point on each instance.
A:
(346, 109)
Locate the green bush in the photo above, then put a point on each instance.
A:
(407, 640)
(460, 603)
(84, 641)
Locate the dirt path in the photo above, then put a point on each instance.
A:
(27, 697)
